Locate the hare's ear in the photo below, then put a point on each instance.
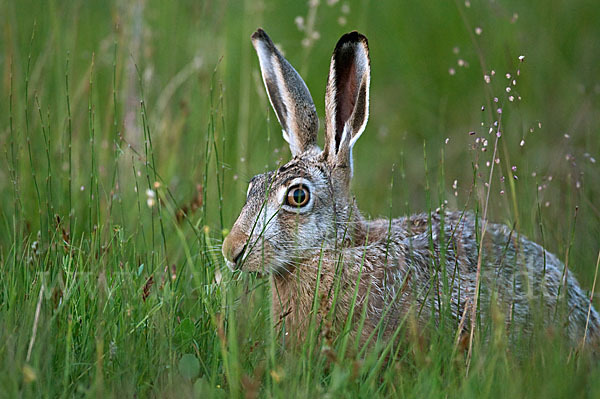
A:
(288, 94)
(347, 97)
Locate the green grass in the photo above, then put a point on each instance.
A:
(103, 295)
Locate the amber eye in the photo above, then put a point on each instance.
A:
(297, 196)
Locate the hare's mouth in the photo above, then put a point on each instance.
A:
(235, 268)
(265, 264)
(231, 266)
(258, 274)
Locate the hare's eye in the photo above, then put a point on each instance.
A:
(297, 196)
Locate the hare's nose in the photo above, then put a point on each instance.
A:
(234, 247)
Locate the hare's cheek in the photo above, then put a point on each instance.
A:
(292, 222)
(310, 230)
(269, 227)
(300, 231)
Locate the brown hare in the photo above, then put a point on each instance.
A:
(302, 228)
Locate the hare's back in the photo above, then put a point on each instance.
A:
(521, 272)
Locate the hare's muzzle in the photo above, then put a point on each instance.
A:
(233, 248)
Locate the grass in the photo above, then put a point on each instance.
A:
(128, 133)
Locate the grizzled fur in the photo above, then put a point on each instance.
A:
(394, 269)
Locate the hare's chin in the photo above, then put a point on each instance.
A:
(231, 266)
(263, 267)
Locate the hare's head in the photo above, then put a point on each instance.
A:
(305, 205)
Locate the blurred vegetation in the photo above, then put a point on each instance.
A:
(129, 130)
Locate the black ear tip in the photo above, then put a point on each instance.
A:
(352, 38)
(260, 34)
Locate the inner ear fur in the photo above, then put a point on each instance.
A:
(347, 96)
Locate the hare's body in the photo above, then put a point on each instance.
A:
(399, 279)
(301, 225)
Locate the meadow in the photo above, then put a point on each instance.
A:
(129, 131)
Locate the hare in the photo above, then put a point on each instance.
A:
(301, 226)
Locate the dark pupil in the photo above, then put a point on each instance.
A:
(299, 196)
